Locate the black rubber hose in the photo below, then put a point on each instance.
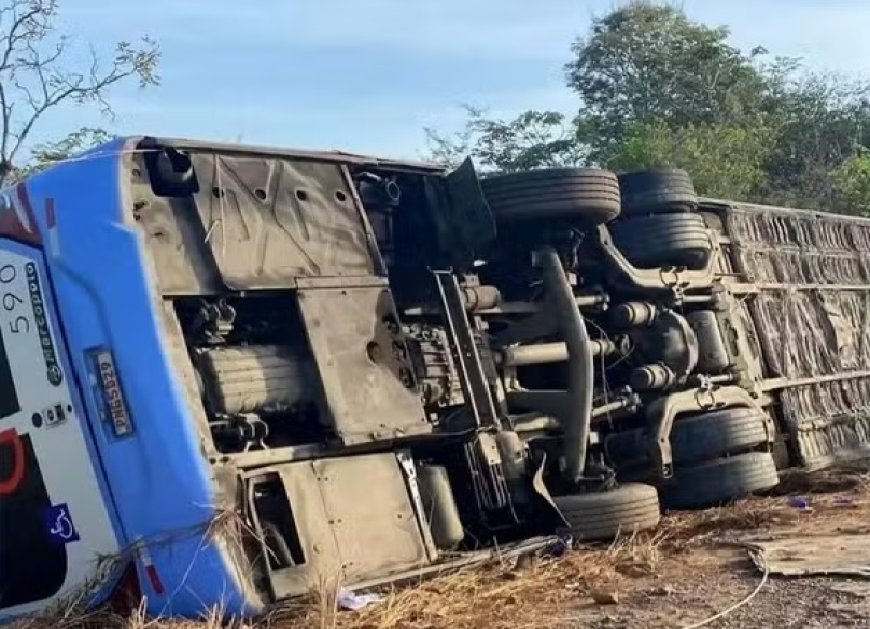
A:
(577, 414)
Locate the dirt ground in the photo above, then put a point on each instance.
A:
(693, 568)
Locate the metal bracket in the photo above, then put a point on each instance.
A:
(410, 472)
(661, 413)
(674, 280)
(474, 383)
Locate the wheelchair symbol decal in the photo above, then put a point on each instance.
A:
(59, 525)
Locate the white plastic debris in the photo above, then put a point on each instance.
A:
(351, 601)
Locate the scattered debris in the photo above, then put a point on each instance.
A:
(635, 569)
(798, 555)
(855, 588)
(696, 565)
(526, 561)
(605, 597)
(799, 502)
(346, 599)
(847, 477)
(662, 590)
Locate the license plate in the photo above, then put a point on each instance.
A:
(104, 378)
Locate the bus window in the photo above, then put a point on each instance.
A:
(32, 563)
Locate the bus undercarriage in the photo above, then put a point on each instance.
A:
(391, 364)
(244, 373)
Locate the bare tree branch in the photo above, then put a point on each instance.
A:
(39, 72)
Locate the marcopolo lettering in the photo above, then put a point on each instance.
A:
(52, 367)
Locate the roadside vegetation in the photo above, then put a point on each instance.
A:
(656, 89)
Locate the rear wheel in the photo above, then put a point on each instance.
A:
(694, 439)
(664, 240)
(717, 433)
(719, 481)
(583, 195)
(657, 191)
(595, 516)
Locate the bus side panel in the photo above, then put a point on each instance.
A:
(812, 312)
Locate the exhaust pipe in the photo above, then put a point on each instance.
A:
(577, 413)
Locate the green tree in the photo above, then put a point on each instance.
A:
(820, 120)
(655, 89)
(40, 70)
(851, 184)
(724, 160)
(534, 139)
(646, 62)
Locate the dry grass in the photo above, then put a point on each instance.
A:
(499, 595)
(539, 591)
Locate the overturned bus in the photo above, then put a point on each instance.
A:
(230, 374)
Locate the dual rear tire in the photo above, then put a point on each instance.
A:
(718, 456)
(659, 191)
(589, 195)
(634, 507)
(658, 226)
(719, 481)
(664, 240)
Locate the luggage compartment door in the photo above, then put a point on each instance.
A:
(336, 521)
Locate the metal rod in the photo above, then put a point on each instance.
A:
(535, 423)
(474, 383)
(611, 407)
(725, 378)
(541, 353)
(697, 299)
(513, 307)
(550, 402)
(785, 383)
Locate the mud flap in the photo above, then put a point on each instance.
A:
(464, 222)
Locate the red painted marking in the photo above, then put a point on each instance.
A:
(24, 199)
(10, 226)
(154, 578)
(49, 212)
(11, 212)
(9, 485)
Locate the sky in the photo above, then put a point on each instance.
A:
(370, 75)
